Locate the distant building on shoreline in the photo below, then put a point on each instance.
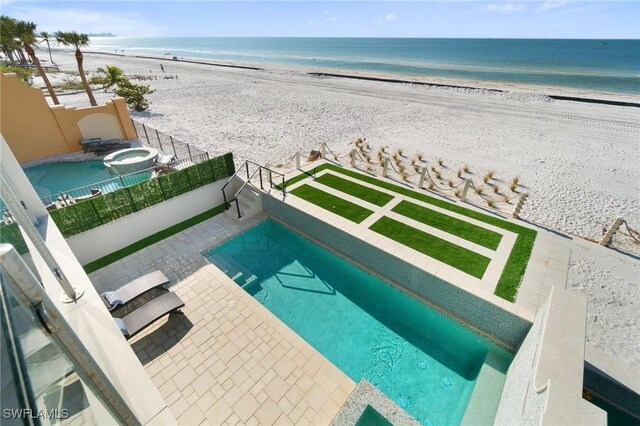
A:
(102, 35)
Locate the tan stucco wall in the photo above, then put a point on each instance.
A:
(35, 130)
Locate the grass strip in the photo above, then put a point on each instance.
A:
(513, 271)
(453, 255)
(459, 228)
(364, 193)
(151, 239)
(334, 204)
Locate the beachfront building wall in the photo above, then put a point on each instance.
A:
(34, 129)
(87, 317)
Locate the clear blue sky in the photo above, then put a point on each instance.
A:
(462, 18)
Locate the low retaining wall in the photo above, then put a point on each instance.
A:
(103, 240)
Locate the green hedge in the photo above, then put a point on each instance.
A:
(88, 214)
(10, 234)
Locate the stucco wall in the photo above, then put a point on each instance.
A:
(35, 130)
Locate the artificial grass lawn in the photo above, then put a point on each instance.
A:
(364, 193)
(449, 224)
(516, 263)
(460, 258)
(334, 204)
(151, 239)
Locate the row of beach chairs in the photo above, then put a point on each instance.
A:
(141, 302)
(151, 77)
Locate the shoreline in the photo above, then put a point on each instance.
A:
(558, 93)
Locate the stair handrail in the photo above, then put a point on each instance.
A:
(245, 166)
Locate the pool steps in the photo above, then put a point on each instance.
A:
(233, 269)
(250, 202)
(484, 400)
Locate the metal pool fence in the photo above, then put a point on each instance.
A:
(165, 143)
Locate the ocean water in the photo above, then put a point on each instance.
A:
(595, 65)
(424, 361)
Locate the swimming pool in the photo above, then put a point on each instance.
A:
(53, 178)
(424, 361)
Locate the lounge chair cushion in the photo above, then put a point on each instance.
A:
(112, 298)
(122, 327)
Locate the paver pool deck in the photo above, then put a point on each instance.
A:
(228, 360)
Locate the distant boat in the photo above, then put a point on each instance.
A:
(602, 43)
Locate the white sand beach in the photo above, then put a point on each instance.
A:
(578, 161)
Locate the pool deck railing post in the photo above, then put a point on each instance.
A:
(158, 136)
(146, 135)
(174, 147)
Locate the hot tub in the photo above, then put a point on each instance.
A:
(131, 160)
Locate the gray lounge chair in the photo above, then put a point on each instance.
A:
(150, 312)
(136, 288)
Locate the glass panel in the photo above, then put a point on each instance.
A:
(56, 390)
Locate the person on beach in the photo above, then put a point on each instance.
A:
(162, 68)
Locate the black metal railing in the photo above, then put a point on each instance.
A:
(164, 142)
(257, 171)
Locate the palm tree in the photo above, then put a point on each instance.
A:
(26, 33)
(48, 38)
(112, 75)
(8, 41)
(72, 38)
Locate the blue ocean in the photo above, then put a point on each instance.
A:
(594, 65)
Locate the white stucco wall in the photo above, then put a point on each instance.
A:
(103, 240)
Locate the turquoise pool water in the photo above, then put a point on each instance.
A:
(421, 359)
(53, 178)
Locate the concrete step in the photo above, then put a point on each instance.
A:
(485, 397)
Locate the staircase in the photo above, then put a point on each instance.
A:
(243, 195)
(249, 201)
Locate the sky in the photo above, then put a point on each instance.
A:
(456, 19)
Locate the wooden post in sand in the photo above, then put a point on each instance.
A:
(353, 157)
(521, 200)
(608, 236)
(385, 167)
(323, 150)
(422, 176)
(298, 160)
(465, 189)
